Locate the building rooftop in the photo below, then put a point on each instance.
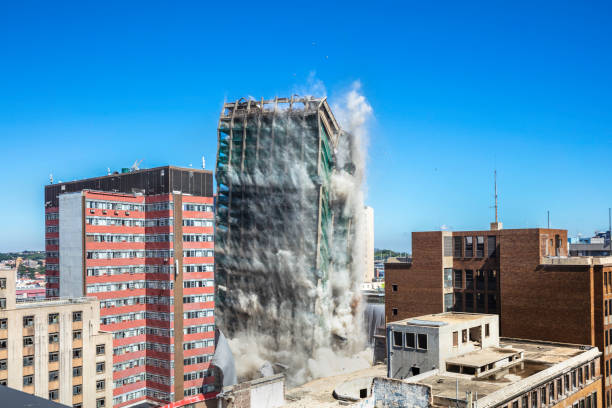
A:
(440, 319)
(541, 360)
(577, 260)
(480, 358)
(27, 303)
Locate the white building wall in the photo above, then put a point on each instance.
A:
(71, 244)
(269, 395)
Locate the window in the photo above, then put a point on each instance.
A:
(3, 344)
(448, 246)
(580, 376)
(77, 353)
(53, 375)
(457, 247)
(479, 247)
(411, 340)
(3, 364)
(487, 330)
(53, 356)
(422, 341)
(567, 383)
(586, 373)
(28, 341)
(455, 339)
(458, 279)
(28, 321)
(607, 338)
(79, 405)
(77, 389)
(551, 391)
(448, 302)
(77, 316)
(480, 302)
(100, 367)
(100, 385)
(2, 283)
(398, 339)
(3, 324)
(491, 246)
(100, 349)
(53, 338)
(515, 404)
(394, 311)
(54, 395)
(469, 302)
(77, 335)
(559, 388)
(543, 395)
(492, 280)
(394, 288)
(469, 247)
(480, 279)
(593, 368)
(100, 403)
(534, 399)
(574, 383)
(524, 400)
(448, 277)
(464, 336)
(28, 361)
(53, 318)
(28, 380)
(77, 371)
(469, 279)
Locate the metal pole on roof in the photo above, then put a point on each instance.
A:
(548, 217)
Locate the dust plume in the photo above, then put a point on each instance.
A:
(285, 297)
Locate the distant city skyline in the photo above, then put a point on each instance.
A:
(457, 90)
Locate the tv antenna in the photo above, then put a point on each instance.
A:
(136, 165)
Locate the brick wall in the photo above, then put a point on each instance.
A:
(419, 286)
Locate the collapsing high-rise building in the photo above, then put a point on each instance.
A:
(285, 225)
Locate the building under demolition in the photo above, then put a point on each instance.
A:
(284, 225)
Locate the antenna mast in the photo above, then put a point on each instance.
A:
(495, 182)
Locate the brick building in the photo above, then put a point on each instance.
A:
(524, 275)
(142, 243)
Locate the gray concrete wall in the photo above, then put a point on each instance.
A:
(387, 392)
(71, 245)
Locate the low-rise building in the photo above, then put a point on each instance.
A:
(462, 361)
(54, 348)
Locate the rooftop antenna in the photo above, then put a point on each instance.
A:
(495, 225)
(495, 182)
(203, 163)
(548, 217)
(51, 178)
(108, 172)
(136, 165)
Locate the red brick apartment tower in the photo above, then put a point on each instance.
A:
(524, 275)
(142, 243)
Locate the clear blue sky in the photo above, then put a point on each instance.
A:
(457, 88)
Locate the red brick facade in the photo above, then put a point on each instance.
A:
(566, 302)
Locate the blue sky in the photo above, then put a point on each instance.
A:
(457, 89)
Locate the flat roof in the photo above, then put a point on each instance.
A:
(481, 358)
(541, 360)
(437, 318)
(577, 260)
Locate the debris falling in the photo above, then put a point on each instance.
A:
(289, 213)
